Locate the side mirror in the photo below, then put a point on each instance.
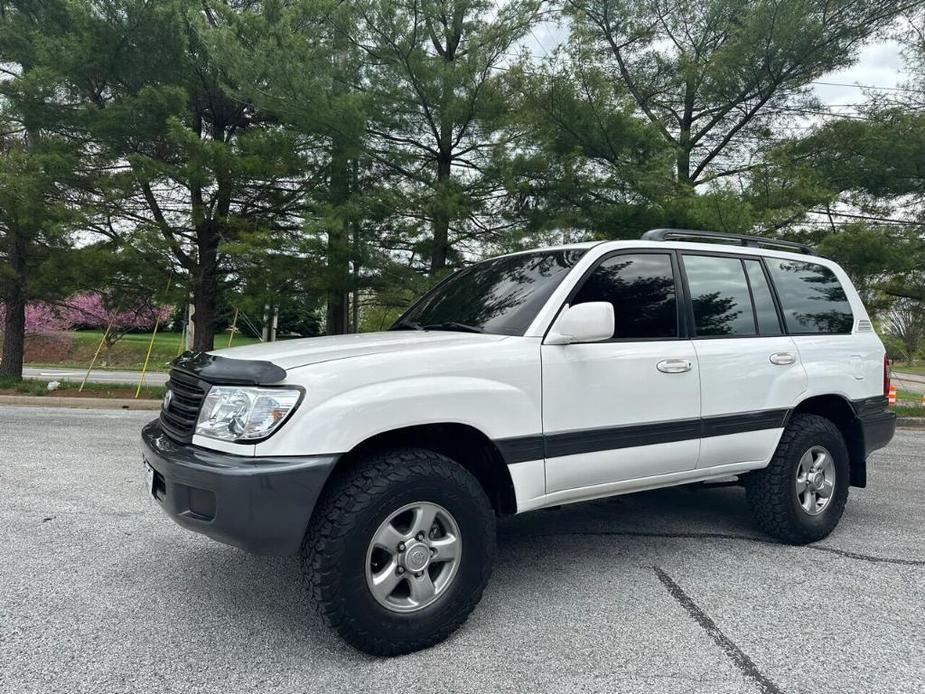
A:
(590, 322)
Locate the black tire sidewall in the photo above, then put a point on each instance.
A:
(475, 519)
(820, 525)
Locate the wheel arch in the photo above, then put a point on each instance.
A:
(462, 443)
(840, 411)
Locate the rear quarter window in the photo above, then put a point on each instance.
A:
(812, 298)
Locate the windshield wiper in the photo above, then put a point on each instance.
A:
(406, 325)
(452, 325)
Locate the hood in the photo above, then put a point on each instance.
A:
(290, 354)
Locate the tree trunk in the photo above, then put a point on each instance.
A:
(14, 323)
(684, 137)
(204, 293)
(107, 351)
(441, 220)
(684, 167)
(205, 289)
(14, 336)
(355, 308)
(441, 214)
(336, 318)
(338, 243)
(683, 160)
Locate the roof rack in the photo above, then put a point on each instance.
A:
(741, 239)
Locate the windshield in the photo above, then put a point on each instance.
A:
(500, 296)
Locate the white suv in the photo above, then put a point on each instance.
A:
(526, 381)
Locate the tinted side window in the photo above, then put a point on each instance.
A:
(642, 290)
(768, 322)
(811, 297)
(719, 295)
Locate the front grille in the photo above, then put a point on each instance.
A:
(178, 418)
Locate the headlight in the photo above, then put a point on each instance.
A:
(233, 413)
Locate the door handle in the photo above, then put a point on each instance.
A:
(674, 366)
(782, 358)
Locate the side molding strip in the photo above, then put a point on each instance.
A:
(523, 448)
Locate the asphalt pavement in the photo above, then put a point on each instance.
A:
(667, 591)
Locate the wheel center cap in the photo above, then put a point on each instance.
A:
(817, 480)
(416, 557)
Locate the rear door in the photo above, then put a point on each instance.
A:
(629, 407)
(750, 371)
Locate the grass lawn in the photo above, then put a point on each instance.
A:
(908, 404)
(70, 390)
(918, 369)
(129, 352)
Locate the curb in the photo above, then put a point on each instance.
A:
(79, 403)
(910, 422)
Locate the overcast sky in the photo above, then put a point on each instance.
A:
(880, 65)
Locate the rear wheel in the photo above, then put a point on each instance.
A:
(400, 550)
(801, 495)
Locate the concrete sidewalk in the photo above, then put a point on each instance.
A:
(910, 382)
(51, 373)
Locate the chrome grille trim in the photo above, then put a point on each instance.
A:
(178, 418)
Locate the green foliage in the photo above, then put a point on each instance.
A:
(589, 166)
(880, 156)
(332, 160)
(716, 77)
(442, 122)
(40, 180)
(875, 165)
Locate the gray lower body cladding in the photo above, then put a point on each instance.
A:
(262, 505)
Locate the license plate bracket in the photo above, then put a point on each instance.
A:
(149, 478)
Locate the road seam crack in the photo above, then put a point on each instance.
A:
(739, 658)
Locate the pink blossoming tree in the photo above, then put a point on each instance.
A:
(43, 319)
(96, 310)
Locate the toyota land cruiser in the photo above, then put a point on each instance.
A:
(525, 381)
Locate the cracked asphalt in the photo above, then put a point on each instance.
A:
(668, 591)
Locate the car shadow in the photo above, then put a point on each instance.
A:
(712, 509)
(267, 595)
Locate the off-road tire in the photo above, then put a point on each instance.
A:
(772, 494)
(352, 507)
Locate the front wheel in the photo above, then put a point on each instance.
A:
(399, 551)
(801, 495)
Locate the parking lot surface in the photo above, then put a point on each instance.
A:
(668, 591)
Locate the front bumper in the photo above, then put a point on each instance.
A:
(261, 505)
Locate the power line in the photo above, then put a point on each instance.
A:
(870, 86)
(869, 218)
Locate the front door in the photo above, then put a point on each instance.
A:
(629, 407)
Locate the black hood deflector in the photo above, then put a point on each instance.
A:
(225, 371)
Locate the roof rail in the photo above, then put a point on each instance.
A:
(741, 239)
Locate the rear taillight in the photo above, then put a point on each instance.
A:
(886, 376)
